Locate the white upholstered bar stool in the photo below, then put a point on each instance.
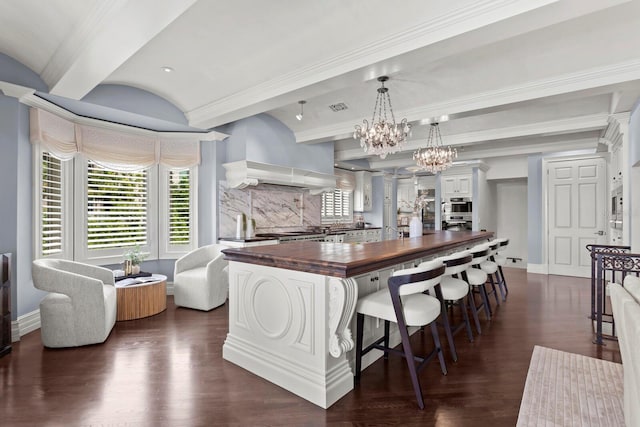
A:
(477, 280)
(404, 303)
(454, 290)
(501, 260)
(490, 267)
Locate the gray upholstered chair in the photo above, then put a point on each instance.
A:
(201, 279)
(81, 306)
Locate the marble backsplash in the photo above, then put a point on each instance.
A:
(274, 208)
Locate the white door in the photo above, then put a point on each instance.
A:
(577, 213)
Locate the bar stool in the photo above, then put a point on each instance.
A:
(501, 260)
(477, 280)
(490, 267)
(404, 303)
(454, 291)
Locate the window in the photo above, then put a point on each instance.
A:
(178, 211)
(336, 206)
(51, 205)
(53, 208)
(116, 208)
(112, 210)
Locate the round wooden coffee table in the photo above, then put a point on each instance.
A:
(139, 300)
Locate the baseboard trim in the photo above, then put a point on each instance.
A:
(169, 288)
(26, 323)
(15, 331)
(538, 268)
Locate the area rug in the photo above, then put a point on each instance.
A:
(566, 389)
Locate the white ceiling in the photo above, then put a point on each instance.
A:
(514, 75)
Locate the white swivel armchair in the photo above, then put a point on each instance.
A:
(81, 306)
(201, 279)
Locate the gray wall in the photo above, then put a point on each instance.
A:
(265, 139)
(16, 187)
(534, 214)
(9, 188)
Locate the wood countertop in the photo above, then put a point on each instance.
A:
(351, 259)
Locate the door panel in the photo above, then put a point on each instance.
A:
(577, 213)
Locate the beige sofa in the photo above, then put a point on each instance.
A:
(625, 302)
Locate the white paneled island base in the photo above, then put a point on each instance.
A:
(279, 329)
(291, 306)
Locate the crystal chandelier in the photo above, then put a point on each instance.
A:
(382, 137)
(435, 157)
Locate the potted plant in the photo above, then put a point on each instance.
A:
(134, 257)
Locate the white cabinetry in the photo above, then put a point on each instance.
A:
(354, 236)
(362, 236)
(334, 238)
(362, 196)
(373, 235)
(456, 186)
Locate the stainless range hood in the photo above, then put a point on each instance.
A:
(244, 173)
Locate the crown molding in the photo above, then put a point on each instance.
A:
(560, 126)
(32, 100)
(456, 22)
(566, 83)
(15, 91)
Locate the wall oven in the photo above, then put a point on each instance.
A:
(459, 215)
(461, 205)
(615, 217)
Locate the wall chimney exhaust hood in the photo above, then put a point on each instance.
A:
(244, 173)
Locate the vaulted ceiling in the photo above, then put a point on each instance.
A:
(514, 76)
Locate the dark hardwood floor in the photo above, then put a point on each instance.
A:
(168, 370)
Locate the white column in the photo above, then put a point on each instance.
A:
(622, 121)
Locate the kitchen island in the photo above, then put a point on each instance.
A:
(291, 306)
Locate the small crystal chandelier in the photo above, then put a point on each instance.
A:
(435, 157)
(382, 137)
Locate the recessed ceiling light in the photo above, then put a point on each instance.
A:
(167, 69)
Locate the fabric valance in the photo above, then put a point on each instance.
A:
(64, 139)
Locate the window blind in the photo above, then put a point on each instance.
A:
(51, 205)
(116, 207)
(179, 207)
(336, 205)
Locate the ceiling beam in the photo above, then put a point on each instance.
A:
(504, 97)
(458, 21)
(521, 149)
(551, 127)
(110, 35)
